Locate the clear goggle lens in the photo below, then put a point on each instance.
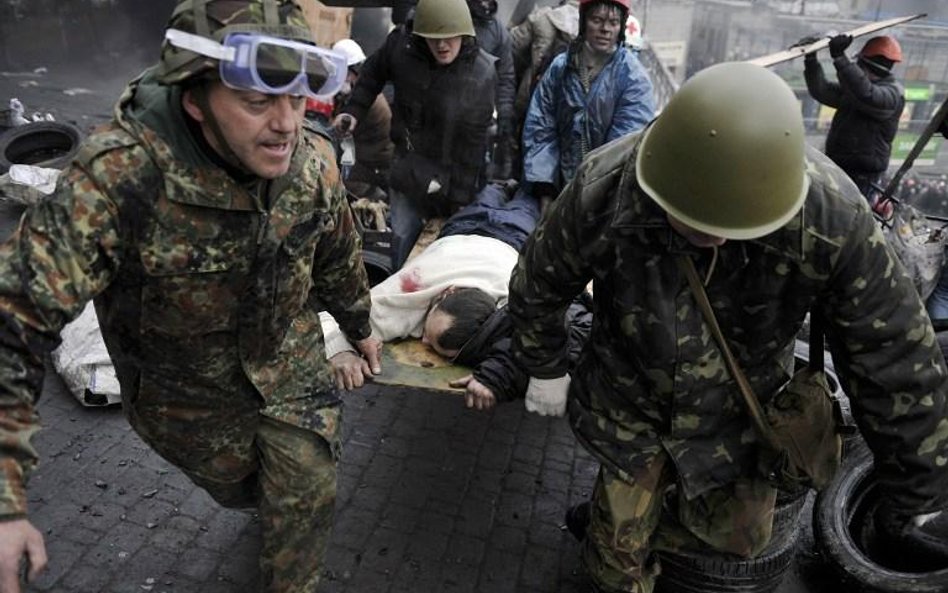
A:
(250, 61)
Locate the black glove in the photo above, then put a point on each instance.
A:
(839, 43)
(917, 542)
(807, 40)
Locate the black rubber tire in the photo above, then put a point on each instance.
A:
(838, 510)
(377, 266)
(44, 144)
(685, 572)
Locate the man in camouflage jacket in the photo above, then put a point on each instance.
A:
(208, 256)
(723, 178)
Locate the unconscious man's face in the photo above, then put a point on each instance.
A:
(444, 51)
(603, 24)
(261, 130)
(436, 323)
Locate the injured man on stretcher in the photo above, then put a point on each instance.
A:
(453, 297)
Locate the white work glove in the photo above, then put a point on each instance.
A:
(547, 397)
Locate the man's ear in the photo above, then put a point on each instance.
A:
(189, 102)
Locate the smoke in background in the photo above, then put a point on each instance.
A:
(95, 36)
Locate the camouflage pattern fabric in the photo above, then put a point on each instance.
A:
(215, 19)
(207, 292)
(290, 474)
(652, 379)
(631, 519)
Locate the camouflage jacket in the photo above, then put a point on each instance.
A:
(205, 290)
(652, 377)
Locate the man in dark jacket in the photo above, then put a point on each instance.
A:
(444, 86)
(493, 38)
(652, 398)
(868, 102)
(373, 139)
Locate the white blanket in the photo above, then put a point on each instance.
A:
(399, 303)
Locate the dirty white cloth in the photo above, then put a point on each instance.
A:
(400, 302)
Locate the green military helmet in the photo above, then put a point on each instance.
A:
(726, 155)
(440, 19)
(214, 19)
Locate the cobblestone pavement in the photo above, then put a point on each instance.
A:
(433, 498)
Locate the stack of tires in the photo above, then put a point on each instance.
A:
(684, 572)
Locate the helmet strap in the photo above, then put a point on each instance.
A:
(199, 92)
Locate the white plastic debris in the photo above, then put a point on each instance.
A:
(83, 361)
(42, 179)
(77, 91)
(17, 117)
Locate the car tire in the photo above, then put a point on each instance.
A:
(686, 572)
(378, 266)
(838, 512)
(43, 144)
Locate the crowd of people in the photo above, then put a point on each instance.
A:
(209, 223)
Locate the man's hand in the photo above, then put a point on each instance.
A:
(344, 124)
(839, 43)
(547, 397)
(350, 370)
(19, 539)
(477, 395)
(371, 349)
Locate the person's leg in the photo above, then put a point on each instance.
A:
(406, 223)
(298, 491)
(493, 215)
(623, 516)
(214, 447)
(736, 519)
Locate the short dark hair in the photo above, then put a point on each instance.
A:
(469, 308)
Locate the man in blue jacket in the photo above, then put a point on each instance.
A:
(593, 93)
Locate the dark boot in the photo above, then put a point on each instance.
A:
(577, 520)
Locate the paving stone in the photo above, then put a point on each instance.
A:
(432, 497)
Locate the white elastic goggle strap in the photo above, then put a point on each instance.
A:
(200, 45)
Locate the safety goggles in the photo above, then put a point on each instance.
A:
(270, 65)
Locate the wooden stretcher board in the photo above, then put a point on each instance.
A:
(796, 52)
(409, 363)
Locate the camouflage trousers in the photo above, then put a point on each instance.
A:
(245, 459)
(632, 516)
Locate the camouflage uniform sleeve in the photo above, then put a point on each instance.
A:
(62, 254)
(339, 277)
(554, 266)
(885, 351)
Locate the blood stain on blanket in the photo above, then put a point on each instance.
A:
(411, 281)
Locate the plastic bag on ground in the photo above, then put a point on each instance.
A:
(83, 362)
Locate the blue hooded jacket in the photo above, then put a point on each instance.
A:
(564, 122)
